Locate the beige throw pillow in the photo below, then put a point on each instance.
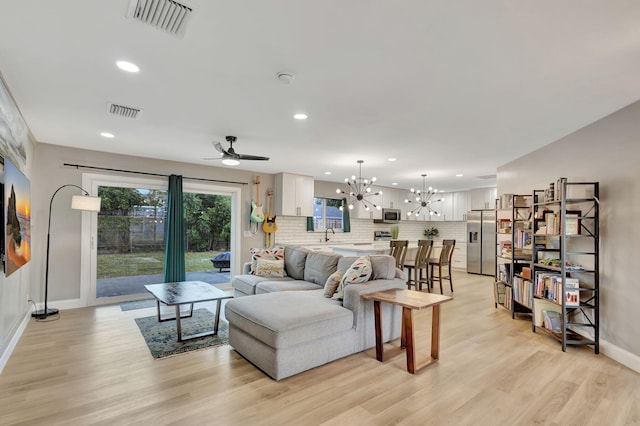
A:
(332, 283)
(275, 253)
(358, 273)
(270, 268)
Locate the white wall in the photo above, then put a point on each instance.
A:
(607, 151)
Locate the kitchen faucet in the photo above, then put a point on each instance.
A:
(326, 233)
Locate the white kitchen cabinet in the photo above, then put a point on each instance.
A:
(293, 195)
(483, 198)
(461, 202)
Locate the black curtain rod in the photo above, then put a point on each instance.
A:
(78, 166)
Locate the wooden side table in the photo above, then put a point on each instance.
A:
(410, 302)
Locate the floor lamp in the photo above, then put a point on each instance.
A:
(78, 202)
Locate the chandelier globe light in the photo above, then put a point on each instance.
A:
(358, 189)
(424, 199)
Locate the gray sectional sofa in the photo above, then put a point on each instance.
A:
(286, 325)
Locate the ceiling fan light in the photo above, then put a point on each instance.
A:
(230, 161)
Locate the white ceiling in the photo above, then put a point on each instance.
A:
(444, 86)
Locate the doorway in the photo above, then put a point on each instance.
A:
(126, 239)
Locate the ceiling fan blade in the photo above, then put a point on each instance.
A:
(250, 157)
(219, 148)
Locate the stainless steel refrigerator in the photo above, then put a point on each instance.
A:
(481, 242)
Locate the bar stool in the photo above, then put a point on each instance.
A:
(419, 264)
(444, 260)
(399, 251)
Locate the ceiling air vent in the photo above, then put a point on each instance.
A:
(487, 177)
(166, 15)
(123, 111)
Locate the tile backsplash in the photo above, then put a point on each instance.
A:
(292, 230)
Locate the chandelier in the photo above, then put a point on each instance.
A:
(424, 199)
(359, 189)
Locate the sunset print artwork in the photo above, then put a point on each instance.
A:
(17, 218)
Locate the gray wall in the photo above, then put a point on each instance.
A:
(607, 151)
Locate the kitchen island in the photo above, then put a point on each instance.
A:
(367, 249)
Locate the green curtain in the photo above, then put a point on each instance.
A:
(174, 269)
(346, 221)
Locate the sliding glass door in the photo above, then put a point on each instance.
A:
(126, 241)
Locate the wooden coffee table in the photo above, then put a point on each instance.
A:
(187, 293)
(410, 302)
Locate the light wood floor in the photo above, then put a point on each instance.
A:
(93, 367)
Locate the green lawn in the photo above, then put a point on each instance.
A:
(127, 265)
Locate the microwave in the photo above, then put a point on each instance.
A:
(390, 216)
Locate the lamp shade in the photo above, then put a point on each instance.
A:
(85, 202)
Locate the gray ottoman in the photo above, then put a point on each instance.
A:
(288, 332)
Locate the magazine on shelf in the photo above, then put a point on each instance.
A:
(572, 293)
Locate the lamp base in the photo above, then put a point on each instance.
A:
(41, 314)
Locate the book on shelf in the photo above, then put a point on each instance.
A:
(548, 285)
(572, 222)
(552, 223)
(552, 321)
(572, 293)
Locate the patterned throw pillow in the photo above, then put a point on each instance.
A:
(275, 253)
(332, 283)
(358, 273)
(270, 268)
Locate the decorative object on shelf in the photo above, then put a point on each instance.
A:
(424, 199)
(78, 202)
(431, 232)
(395, 230)
(359, 189)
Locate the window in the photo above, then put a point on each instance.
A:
(327, 214)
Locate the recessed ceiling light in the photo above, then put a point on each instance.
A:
(107, 135)
(395, 184)
(459, 175)
(127, 66)
(230, 161)
(392, 159)
(327, 173)
(300, 116)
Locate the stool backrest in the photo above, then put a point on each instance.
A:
(447, 251)
(423, 253)
(399, 251)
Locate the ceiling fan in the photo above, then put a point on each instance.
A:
(230, 157)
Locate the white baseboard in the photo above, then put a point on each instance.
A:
(8, 349)
(623, 356)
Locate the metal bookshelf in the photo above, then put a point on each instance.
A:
(565, 263)
(513, 290)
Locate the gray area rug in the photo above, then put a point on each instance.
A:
(138, 304)
(162, 338)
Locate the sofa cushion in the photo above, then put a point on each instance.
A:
(271, 286)
(247, 283)
(286, 319)
(270, 268)
(319, 266)
(332, 283)
(294, 260)
(275, 253)
(383, 266)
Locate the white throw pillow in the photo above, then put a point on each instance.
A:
(270, 268)
(358, 273)
(275, 253)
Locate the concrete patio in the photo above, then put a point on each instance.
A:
(123, 286)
